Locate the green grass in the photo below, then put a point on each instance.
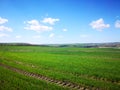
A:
(89, 67)
(13, 81)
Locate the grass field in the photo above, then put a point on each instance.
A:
(91, 68)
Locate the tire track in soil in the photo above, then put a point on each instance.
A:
(78, 75)
(49, 80)
(84, 76)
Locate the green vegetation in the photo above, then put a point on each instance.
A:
(13, 81)
(88, 67)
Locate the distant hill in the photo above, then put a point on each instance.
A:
(17, 44)
(89, 45)
(81, 45)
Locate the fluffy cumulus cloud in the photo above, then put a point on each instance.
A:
(33, 22)
(36, 26)
(3, 35)
(2, 27)
(51, 35)
(83, 35)
(3, 20)
(50, 21)
(117, 24)
(37, 36)
(18, 36)
(60, 36)
(99, 24)
(65, 30)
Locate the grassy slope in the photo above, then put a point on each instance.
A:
(87, 67)
(13, 81)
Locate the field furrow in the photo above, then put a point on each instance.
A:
(67, 68)
(47, 79)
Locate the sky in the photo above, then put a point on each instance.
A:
(59, 21)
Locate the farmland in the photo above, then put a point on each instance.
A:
(61, 68)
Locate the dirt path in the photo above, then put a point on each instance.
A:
(47, 79)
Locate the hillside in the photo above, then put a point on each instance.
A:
(81, 45)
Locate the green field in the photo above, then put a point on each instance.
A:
(91, 68)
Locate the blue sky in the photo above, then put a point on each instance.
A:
(59, 21)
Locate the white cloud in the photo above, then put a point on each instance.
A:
(3, 35)
(3, 20)
(65, 30)
(4, 28)
(117, 24)
(37, 36)
(60, 36)
(33, 22)
(51, 35)
(50, 21)
(18, 36)
(99, 24)
(83, 36)
(36, 26)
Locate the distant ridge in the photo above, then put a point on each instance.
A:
(89, 45)
(82, 45)
(19, 44)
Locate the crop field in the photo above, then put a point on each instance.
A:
(59, 68)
